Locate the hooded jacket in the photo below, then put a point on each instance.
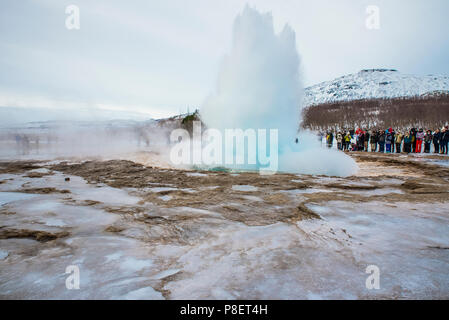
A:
(398, 138)
(348, 137)
(339, 137)
(389, 138)
(407, 139)
(445, 137)
(367, 135)
(436, 137)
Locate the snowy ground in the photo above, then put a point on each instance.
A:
(140, 232)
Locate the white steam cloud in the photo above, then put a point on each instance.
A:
(259, 87)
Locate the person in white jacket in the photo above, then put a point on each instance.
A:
(339, 141)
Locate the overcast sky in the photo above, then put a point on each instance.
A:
(160, 57)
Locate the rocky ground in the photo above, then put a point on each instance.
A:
(143, 232)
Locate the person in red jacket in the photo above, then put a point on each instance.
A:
(419, 139)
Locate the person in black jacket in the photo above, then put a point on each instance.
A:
(444, 140)
(436, 141)
(388, 141)
(366, 140)
(427, 141)
(381, 141)
(361, 141)
(413, 136)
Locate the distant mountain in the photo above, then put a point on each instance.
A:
(375, 84)
(48, 117)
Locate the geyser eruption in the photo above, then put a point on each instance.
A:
(259, 87)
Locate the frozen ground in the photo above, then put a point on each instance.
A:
(140, 232)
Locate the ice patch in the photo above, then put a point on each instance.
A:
(304, 191)
(55, 222)
(40, 170)
(162, 189)
(314, 296)
(147, 293)
(378, 192)
(245, 188)
(7, 197)
(196, 174)
(252, 198)
(3, 254)
(165, 198)
(165, 273)
(220, 294)
(210, 188)
(113, 257)
(135, 264)
(189, 190)
(318, 209)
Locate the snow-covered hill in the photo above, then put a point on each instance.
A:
(375, 83)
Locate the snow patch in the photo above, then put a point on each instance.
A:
(147, 293)
(244, 188)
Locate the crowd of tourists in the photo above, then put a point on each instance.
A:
(390, 140)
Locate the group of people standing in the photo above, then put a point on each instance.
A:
(391, 141)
